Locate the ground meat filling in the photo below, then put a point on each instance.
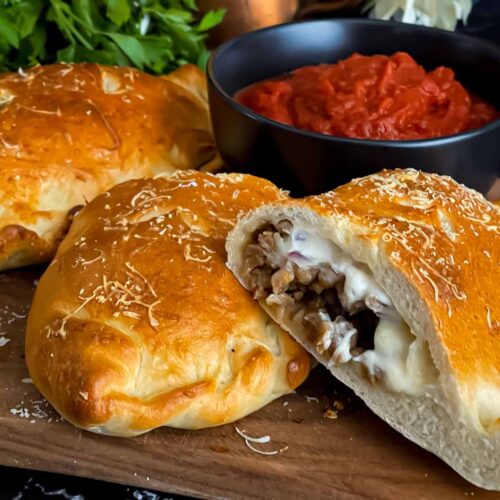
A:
(313, 295)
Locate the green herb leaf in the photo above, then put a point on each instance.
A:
(178, 15)
(118, 11)
(154, 35)
(131, 47)
(76, 53)
(185, 44)
(203, 59)
(159, 51)
(88, 15)
(190, 4)
(25, 15)
(32, 48)
(9, 31)
(211, 19)
(120, 59)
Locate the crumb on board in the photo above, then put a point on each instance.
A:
(312, 399)
(331, 414)
(38, 409)
(338, 405)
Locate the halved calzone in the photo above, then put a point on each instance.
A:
(392, 282)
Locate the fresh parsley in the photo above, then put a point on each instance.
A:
(156, 36)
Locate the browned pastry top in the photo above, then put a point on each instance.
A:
(445, 238)
(69, 132)
(138, 323)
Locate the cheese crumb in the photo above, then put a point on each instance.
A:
(331, 414)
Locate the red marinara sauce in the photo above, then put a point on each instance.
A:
(370, 97)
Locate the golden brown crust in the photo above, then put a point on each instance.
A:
(444, 238)
(20, 246)
(138, 323)
(69, 132)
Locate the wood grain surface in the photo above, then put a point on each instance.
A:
(355, 455)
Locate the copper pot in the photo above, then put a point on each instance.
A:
(248, 15)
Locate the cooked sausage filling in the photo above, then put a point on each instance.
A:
(307, 279)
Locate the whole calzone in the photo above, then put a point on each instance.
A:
(138, 323)
(392, 282)
(70, 132)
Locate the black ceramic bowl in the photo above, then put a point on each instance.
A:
(307, 162)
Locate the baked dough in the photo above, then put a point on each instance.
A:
(391, 281)
(70, 132)
(137, 322)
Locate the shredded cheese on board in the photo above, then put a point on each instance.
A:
(260, 440)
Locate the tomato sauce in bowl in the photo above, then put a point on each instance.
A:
(370, 97)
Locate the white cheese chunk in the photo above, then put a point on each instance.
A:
(404, 361)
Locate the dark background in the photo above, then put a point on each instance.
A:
(484, 20)
(24, 484)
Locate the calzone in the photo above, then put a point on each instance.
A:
(137, 322)
(392, 282)
(71, 131)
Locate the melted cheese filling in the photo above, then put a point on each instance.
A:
(400, 360)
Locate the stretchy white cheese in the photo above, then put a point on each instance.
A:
(398, 359)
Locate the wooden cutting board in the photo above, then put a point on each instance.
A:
(355, 455)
